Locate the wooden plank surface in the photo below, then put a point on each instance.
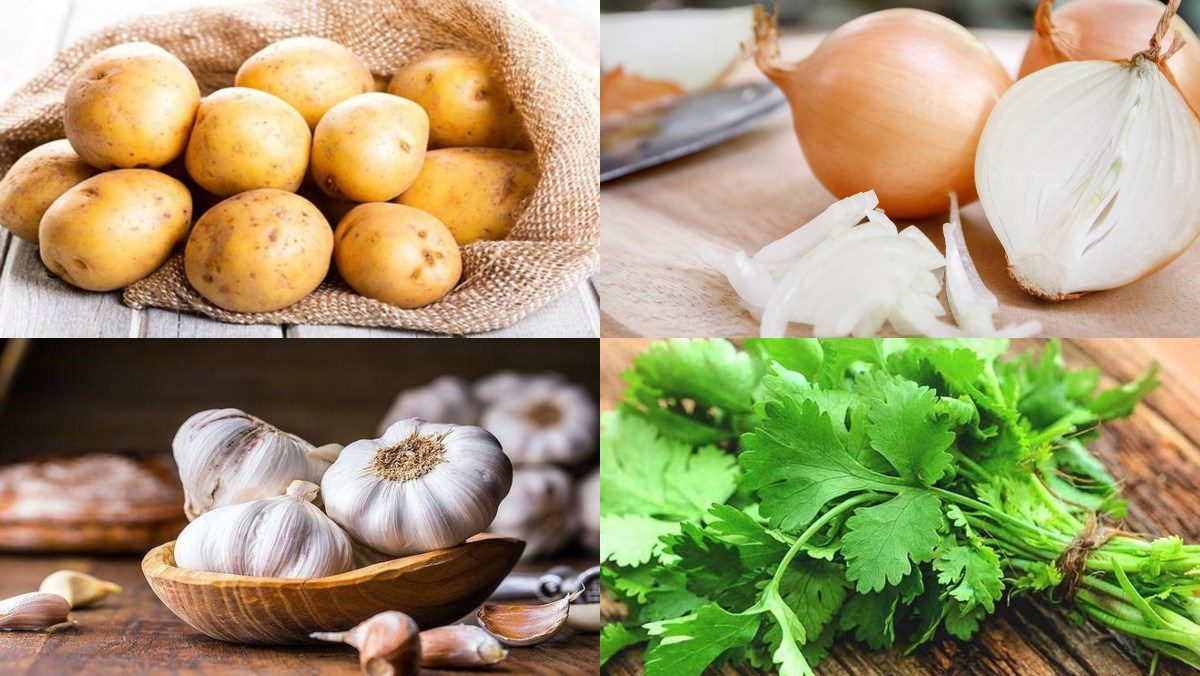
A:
(33, 303)
(1156, 453)
(747, 192)
(133, 632)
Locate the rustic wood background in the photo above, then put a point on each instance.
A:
(1156, 453)
(35, 304)
(754, 189)
(85, 395)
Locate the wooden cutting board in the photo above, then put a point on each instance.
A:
(757, 188)
(1156, 453)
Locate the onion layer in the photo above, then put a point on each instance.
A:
(894, 102)
(1108, 30)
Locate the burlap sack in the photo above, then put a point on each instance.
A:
(552, 248)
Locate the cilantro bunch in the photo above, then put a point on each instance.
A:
(759, 504)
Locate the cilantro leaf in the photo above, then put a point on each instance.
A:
(883, 541)
(692, 389)
(802, 355)
(872, 617)
(798, 462)
(757, 547)
(1119, 401)
(972, 573)
(633, 539)
(642, 472)
(904, 430)
(615, 637)
(687, 645)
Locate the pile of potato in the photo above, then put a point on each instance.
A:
(303, 139)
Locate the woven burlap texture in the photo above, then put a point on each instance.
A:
(552, 248)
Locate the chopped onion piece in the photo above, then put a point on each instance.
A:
(839, 217)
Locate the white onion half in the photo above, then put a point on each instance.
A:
(1090, 175)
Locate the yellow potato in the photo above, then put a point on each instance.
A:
(131, 105)
(35, 181)
(464, 97)
(259, 251)
(115, 228)
(311, 74)
(479, 193)
(396, 254)
(369, 148)
(245, 139)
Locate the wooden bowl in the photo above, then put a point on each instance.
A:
(434, 588)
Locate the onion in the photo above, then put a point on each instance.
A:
(846, 277)
(1089, 172)
(894, 101)
(1107, 30)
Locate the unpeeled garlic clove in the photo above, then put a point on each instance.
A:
(79, 589)
(460, 646)
(389, 644)
(523, 625)
(35, 611)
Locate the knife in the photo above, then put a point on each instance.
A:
(689, 125)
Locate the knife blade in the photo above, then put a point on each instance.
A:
(689, 125)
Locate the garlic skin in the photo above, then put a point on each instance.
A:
(446, 399)
(540, 418)
(421, 486)
(1087, 172)
(524, 625)
(79, 589)
(588, 508)
(540, 509)
(226, 456)
(286, 536)
(388, 644)
(35, 611)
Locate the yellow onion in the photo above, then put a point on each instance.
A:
(894, 101)
(1109, 30)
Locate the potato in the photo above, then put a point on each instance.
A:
(131, 105)
(477, 192)
(259, 251)
(35, 181)
(396, 254)
(464, 97)
(369, 148)
(311, 74)
(115, 228)
(245, 139)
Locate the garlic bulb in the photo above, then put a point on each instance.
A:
(540, 418)
(446, 399)
(285, 536)
(226, 456)
(421, 486)
(589, 511)
(540, 509)
(1088, 172)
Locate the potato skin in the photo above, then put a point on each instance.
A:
(312, 74)
(369, 148)
(396, 254)
(259, 251)
(465, 98)
(35, 181)
(245, 139)
(114, 228)
(479, 193)
(131, 105)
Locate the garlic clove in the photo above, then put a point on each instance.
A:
(35, 611)
(388, 644)
(79, 589)
(525, 625)
(460, 646)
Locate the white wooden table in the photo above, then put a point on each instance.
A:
(33, 303)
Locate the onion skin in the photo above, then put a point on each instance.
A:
(1109, 30)
(894, 101)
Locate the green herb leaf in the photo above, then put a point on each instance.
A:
(883, 541)
(687, 645)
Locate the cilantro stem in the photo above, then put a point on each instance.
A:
(812, 530)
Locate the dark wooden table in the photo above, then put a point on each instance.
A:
(133, 633)
(1156, 453)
